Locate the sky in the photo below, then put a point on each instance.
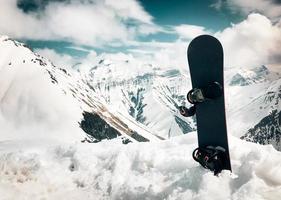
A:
(156, 31)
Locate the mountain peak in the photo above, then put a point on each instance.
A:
(246, 77)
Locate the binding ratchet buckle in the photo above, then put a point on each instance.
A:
(210, 158)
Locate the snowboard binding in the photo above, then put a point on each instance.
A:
(197, 95)
(187, 112)
(210, 158)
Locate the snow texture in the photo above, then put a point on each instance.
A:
(31, 169)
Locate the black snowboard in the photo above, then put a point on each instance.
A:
(205, 58)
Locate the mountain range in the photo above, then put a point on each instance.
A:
(125, 98)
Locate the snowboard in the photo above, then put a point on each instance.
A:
(205, 59)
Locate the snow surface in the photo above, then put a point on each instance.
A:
(32, 169)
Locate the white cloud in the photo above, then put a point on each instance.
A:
(82, 22)
(130, 9)
(78, 48)
(252, 42)
(186, 31)
(61, 60)
(217, 5)
(146, 29)
(270, 8)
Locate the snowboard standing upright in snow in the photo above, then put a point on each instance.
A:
(205, 58)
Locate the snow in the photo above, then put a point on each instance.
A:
(37, 96)
(248, 105)
(32, 169)
(30, 104)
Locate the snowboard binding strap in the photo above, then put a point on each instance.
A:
(199, 95)
(187, 112)
(195, 96)
(210, 158)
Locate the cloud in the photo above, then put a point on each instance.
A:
(269, 8)
(130, 9)
(91, 23)
(186, 31)
(250, 43)
(61, 60)
(217, 5)
(254, 41)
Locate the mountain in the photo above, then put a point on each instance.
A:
(268, 129)
(138, 103)
(254, 102)
(35, 93)
(247, 77)
(145, 92)
(152, 96)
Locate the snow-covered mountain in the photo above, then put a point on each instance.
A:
(148, 94)
(247, 77)
(268, 128)
(152, 97)
(107, 102)
(253, 103)
(36, 93)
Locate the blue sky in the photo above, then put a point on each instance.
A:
(155, 30)
(196, 12)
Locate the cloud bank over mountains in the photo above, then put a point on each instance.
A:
(98, 23)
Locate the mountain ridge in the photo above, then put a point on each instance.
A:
(143, 101)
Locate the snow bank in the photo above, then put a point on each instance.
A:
(110, 170)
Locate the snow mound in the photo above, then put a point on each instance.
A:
(157, 170)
